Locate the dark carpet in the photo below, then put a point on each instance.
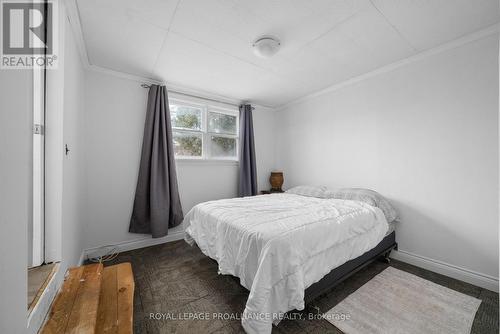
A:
(177, 287)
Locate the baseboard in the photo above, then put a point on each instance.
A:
(130, 245)
(462, 274)
(37, 316)
(82, 259)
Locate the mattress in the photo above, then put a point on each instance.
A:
(391, 228)
(280, 244)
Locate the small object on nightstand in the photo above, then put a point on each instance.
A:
(276, 180)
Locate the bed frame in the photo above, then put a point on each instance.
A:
(337, 275)
(349, 268)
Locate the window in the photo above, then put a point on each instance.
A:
(202, 131)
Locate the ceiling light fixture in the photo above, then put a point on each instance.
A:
(266, 46)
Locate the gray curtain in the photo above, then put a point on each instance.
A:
(157, 205)
(247, 185)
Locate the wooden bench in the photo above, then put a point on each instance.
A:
(117, 300)
(94, 299)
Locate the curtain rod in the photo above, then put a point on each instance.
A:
(143, 85)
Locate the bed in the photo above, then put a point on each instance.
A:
(287, 249)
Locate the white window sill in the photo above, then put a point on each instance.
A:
(212, 162)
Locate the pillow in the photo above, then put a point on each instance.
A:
(309, 191)
(367, 196)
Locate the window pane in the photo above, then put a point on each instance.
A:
(187, 144)
(221, 123)
(222, 147)
(185, 117)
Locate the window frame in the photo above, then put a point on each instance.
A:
(206, 108)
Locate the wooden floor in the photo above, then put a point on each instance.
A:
(174, 279)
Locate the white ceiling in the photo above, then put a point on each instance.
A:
(206, 44)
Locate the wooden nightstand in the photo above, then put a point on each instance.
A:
(265, 192)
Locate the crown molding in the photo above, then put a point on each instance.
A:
(74, 18)
(174, 87)
(73, 15)
(123, 75)
(480, 34)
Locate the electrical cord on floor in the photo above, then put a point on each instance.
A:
(108, 256)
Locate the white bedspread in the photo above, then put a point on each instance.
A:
(280, 244)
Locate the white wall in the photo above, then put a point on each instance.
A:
(15, 204)
(65, 183)
(115, 113)
(264, 125)
(74, 185)
(426, 136)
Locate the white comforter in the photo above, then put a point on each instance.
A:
(280, 244)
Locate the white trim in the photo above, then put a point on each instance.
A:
(178, 90)
(81, 260)
(220, 100)
(493, 29)
(206, 107)
(234, 111)
(54, 141)
(123, 75)
(38, 161)
(73, 15)
(450, 270)
(39, 312)
(205, 162)
(462, 274)
(192, 103)
(131, 245)
(37, 316)
(74, 19)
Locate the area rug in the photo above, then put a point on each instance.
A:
(395, 301)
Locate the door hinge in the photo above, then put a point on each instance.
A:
(38, 129)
